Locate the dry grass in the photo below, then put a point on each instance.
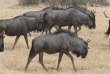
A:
(96, 62)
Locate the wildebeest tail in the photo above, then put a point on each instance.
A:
(32, 49)
(44, 19)
(44, 22)
(108, 31)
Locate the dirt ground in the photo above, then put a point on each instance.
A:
(96, 62)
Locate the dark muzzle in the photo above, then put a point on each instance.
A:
(84, 54)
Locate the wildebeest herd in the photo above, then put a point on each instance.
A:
(61, 41)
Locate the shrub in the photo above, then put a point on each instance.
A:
(65, 2)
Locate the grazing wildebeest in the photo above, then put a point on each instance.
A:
(20, 25)
(108, 31)
(2, 41)
(61, 41)
(67, 17)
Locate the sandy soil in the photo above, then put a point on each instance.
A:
(96, 62)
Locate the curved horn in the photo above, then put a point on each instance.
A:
(93, 11)
(88, 41)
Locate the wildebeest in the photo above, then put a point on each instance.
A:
(67, 17)
(2, 41)
(40, 14)
(108, 31)
(91, 14)
(18, 26)
(61, 41)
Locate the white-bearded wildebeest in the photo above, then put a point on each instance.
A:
(108, 31)
(89, 13)
(67, 17)
(2, 41)
(20, 25)
(40, 14)
(37, 14)
(61, 41)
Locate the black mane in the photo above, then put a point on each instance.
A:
(65, 31)
(54, 8)
(57, 8)
(46, 8)
(82, 9)
(17, 17)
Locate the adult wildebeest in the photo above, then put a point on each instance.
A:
(89, 13)
(18, 26)
(37, 14)
(40, 14)
(2, 41)
(108, 31)
(61, 41)
(67, 17)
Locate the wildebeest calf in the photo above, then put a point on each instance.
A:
(61, 41)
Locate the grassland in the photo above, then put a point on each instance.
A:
(96, 62)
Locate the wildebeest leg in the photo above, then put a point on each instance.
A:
(59, 60)
(79, 27)
(46, 30)
(60, 27)
(42, 32)
(29, 34)
(17, 37)
(75, 28)
(41, 60)
(50, 31)
(56, 27)
(70, 56)
(26, 39)
(29, 59)
(69, 27)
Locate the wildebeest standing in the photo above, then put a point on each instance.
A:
(18, 26)
(67, 17)
(40, 14)
(61, 41)
(91, 14)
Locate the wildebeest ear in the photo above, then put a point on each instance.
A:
(86, 47)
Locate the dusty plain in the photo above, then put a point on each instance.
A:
(96, 62)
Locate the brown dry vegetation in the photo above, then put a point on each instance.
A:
(96, 62)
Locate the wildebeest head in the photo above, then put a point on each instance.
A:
(92, 17)
(82, 50)
(1, 41)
